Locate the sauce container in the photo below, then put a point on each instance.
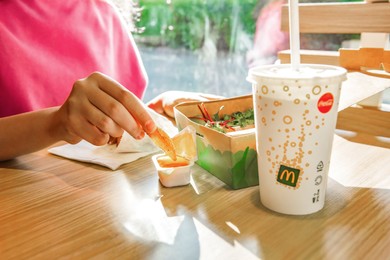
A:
(178, 173)
(173, 173)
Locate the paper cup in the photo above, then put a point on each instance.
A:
(295, 118)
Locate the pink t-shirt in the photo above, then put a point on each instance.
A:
(45, 45)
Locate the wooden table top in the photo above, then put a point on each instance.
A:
(51, 208)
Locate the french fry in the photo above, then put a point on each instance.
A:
(162, 140)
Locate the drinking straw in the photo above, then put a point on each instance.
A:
(294, 34)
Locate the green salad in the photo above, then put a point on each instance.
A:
(225, 122)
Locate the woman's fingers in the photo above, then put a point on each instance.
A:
(136, 119)
(99, 107)
(103, 122)
(90, 132)
(108, 115)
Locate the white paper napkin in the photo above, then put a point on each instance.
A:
(112, 156)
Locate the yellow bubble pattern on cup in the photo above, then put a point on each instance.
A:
(292, 150)
(316, 90)
(287, 120)
(264, 90)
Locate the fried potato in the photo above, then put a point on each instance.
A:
(162, 140)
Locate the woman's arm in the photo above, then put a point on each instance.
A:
(28, 132)
(97, 108)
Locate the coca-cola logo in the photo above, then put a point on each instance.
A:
(325, 103)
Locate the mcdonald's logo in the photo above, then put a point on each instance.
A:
(288, 176)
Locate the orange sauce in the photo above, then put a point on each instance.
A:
(167, 162)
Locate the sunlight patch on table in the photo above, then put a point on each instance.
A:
(232, 226)
(213, 246)
(149, 222)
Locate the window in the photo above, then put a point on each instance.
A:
(197, 45)
(208, 45)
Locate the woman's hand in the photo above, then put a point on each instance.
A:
(165, 102)
(99, 108)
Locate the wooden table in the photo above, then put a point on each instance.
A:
(52, 208)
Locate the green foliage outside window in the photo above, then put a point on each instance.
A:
(186, 23)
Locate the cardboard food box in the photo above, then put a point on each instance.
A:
(231, 157)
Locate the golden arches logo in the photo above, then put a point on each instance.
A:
(288, 176)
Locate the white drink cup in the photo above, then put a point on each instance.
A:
(295, 118)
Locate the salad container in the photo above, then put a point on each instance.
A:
(231, 157)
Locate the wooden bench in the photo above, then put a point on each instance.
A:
(371, 20)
